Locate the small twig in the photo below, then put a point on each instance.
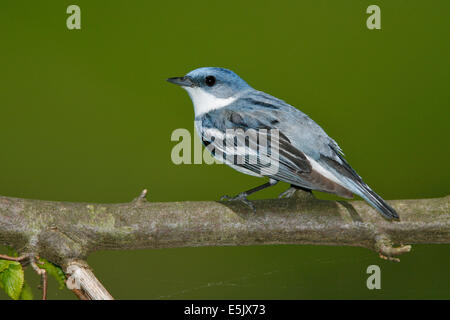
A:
(17, 259)
(44, 285)
(387, 251)
(43, 274)
(142, 197)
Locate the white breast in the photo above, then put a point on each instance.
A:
(205, 102)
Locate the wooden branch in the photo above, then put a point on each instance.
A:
(65, 233)
(83, 282)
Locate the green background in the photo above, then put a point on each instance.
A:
(86, 115)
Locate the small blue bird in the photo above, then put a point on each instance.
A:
(307, 157)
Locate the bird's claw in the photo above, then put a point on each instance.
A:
(288, 193)
(240, 197)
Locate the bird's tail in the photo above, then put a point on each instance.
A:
(364, 191)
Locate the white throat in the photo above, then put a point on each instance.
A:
(205, 102)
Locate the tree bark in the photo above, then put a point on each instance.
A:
(64, 232)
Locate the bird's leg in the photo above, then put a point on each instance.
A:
(243, 195)
(291, 191)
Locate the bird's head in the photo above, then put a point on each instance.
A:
(211, 88)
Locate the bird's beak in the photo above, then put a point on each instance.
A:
(182, 81)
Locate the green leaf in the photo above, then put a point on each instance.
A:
(27, 293)
(3, 265)
(54, 271)
(11, 279)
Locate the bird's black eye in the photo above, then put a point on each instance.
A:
(210, 81)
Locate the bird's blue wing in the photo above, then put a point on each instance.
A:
(322, 152)
(259, 111)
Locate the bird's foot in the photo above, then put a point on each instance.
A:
(288, 193)
(240, 197)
